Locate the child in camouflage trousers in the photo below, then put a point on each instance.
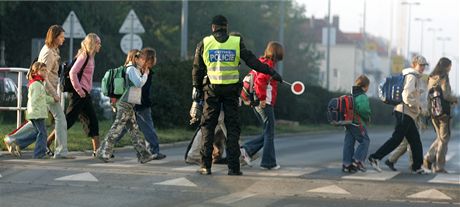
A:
(137, 76)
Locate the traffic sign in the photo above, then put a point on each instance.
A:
(297, 88)
(72, 27)
(129, 42)
(131, 24)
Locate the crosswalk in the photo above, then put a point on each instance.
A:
(329, 172)
(172, 175)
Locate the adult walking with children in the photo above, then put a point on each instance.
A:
(218, 56)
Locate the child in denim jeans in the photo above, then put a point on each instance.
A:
(353, 160)
(37, 112)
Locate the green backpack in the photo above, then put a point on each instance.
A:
(113, 82)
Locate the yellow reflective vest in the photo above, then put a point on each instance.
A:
(222, 59)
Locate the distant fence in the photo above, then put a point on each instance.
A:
(18, 107)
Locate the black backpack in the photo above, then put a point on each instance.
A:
(64, 76)
(438, 105)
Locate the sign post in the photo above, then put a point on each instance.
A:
(73, 29)
(131, 27)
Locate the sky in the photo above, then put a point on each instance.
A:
(381, 21)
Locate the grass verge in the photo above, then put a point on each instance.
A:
(77, 140)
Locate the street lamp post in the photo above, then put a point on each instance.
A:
(328, 47)
(434, 40)
(409, 4)
(422, 21)
(443, 40)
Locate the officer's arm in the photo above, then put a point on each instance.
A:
(252, 61)
(199, 68)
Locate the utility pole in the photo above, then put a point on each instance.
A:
(364, 40)
(2, 53)
(443, 40)
(433, 52)
(422, 21)
(281, 34)
(184, 30)
(328, 50)
(409, 4)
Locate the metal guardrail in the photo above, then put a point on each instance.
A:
(18, 107)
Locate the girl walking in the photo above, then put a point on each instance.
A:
(266, 91)
(435, 158)
(136, 77)
(37, 110)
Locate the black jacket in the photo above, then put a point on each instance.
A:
(146, 100)
(199, 68)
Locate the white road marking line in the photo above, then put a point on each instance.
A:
(110, 165)
(446, 178)
(430, 194)
(331, 189)
(177, 182)
(371, 175)
(78, 177)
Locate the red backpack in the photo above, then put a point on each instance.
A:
(340, 110)
(248, 94)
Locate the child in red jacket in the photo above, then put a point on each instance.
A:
(266, 91)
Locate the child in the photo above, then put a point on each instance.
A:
(126, 117)
(266, 91)
(353, 160)
(37, 112)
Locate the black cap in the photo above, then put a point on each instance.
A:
(219, 20)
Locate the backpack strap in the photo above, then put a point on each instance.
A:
(80, 74)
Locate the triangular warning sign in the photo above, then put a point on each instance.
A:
(131, 24)
(177, 182)
(332, 189)
(78, 177)
(431, 194)
(72, 20)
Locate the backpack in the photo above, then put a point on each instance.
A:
(437, 103)
(248, 94)
(390, 91)
(113, 82)
(340, 111)
(64, 76)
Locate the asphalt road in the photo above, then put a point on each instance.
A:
(310, 175)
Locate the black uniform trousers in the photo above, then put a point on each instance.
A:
(405, 127)
(215, 96)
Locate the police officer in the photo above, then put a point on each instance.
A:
(218, 56)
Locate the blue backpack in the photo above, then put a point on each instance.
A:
(390, 91)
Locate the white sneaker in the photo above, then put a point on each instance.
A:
(245, 156)
(273, 168)
(375, 163)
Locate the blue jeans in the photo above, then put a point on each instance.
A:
(266, 140)
(37, 134)
(355, 134)
(145, 122)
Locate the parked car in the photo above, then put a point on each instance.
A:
(101, 103)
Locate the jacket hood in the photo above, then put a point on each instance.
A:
(356, 91)
(411, 71)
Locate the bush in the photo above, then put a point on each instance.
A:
(172, 100)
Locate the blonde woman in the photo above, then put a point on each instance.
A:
(80, 104)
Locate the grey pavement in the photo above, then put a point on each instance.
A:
(310, 175)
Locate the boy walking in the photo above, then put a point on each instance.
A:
(405, 114)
